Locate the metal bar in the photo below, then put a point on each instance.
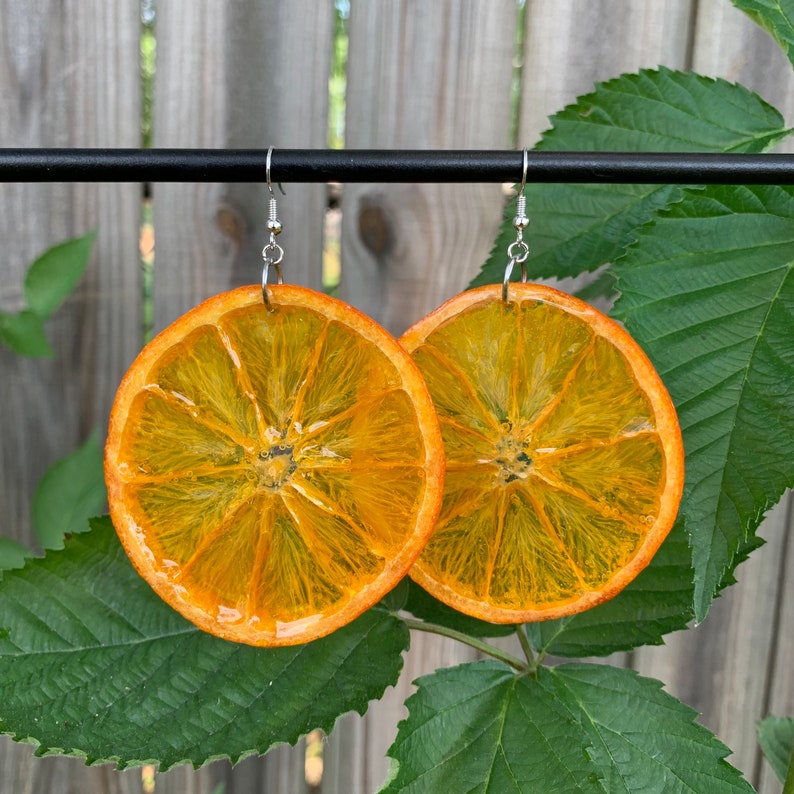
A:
(379, 165)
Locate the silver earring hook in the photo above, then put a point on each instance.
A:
(272, 253)
(518, 251)
(267, 173)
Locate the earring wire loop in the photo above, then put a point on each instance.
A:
(268, 161)
(267, 169)
(272, 253)
(518, 250)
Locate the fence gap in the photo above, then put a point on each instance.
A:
(518, 72)
(148, 65)
(337, 110)
(337, 79)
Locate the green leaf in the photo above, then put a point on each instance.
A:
(602, 286)
(776, 737)
(708, 291)
(55, 273)
(94, 664)
(23, 334)
(422, 605)
(395, 599)
(478, 727)
(774, 16)
(577, 228)
(13, 554)
(574, 728)
(657, 602)
(70, 492)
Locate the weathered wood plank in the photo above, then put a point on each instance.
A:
(570, 46)
(420, 75)
(281, 770)
(237, 75)
(728, 667)
(68, 77)
(423, 75)
(729, 44)
(778, 664)
(355, 754)
(62, 79)
(736, 667)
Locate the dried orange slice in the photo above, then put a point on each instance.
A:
(273, 474)
(564, 454)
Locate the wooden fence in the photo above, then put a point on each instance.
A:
(254, 73)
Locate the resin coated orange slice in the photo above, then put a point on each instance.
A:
(564, 455)
(273, 474)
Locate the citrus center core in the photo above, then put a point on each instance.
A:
(513, 458)
(275, 466)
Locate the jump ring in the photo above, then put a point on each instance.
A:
(272, 253)
(522, 248)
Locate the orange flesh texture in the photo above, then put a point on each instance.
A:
(564, 454)
(273, 474)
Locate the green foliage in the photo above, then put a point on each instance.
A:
(578, 228)
(573, 728)
(55, 273)
(148, 68)
(775, 17)
(93, 664)
(48, 281)
(100, 667)
(421, 604)
(708, 291)
(776, 737)
(657, 602)
(734, 238)
(23, 333)
(12, 554)
(337, 81)
(70, 492)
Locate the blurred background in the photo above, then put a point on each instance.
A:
(400, 74)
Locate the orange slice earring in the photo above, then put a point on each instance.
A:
(564, 454)
(274, 463)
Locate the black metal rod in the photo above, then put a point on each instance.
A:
(381, 165)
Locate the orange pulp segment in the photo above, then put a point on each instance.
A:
(564, 454)
(273, 474)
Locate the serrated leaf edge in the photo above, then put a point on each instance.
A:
(721, 749)
(751, 524)
(360, 706)
(121, 764)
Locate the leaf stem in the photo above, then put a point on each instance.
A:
(532, 662)
(484, 647)
(788, 785)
